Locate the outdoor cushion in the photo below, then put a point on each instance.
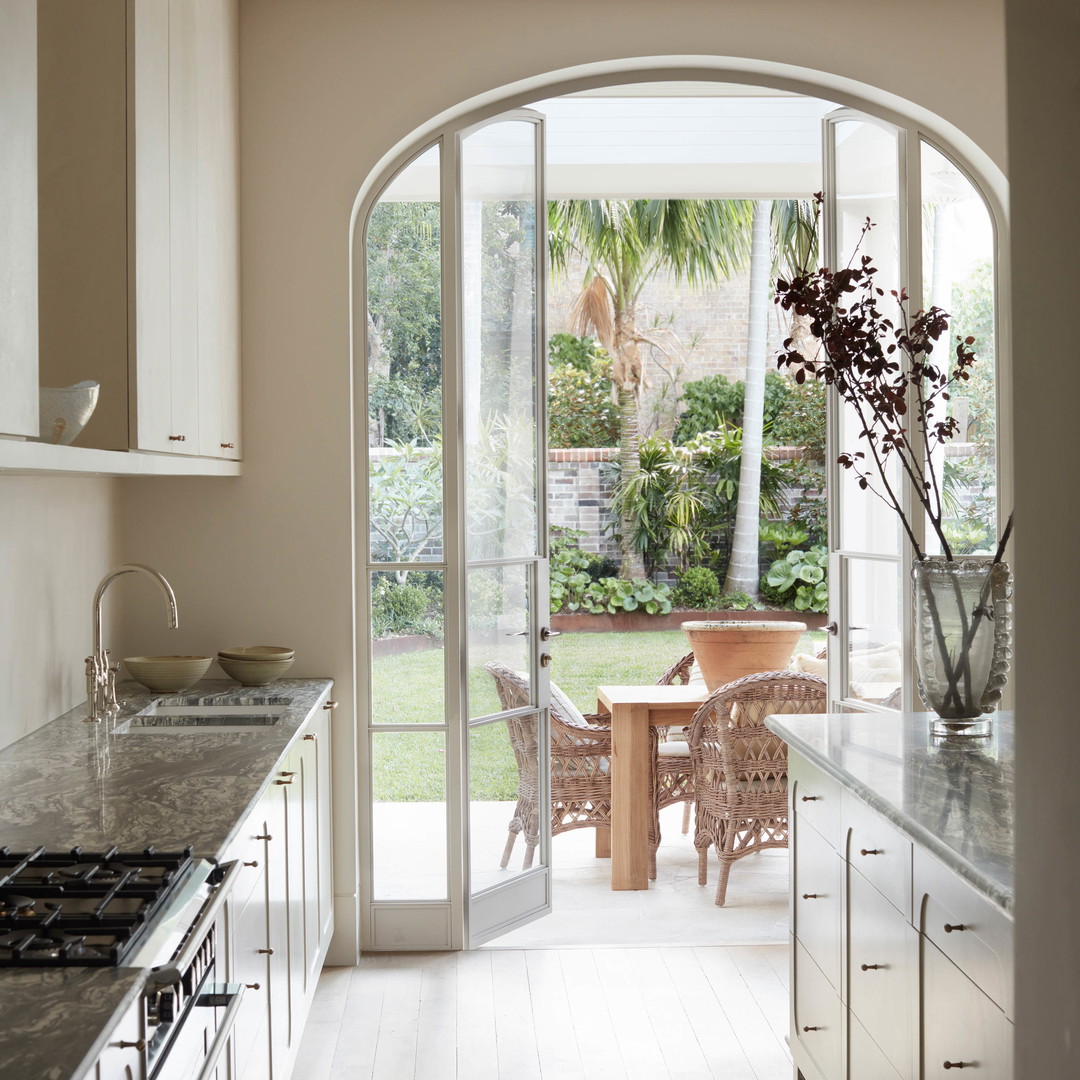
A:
(567, 710)
(675, 749)
(809, 665)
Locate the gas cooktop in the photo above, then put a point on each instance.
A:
(81, 907)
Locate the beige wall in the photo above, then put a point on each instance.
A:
(327, 87)
(1044, 145)
(57, 539)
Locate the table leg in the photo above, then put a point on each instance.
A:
(630, 767)
(603, 843)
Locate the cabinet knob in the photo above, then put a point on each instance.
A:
(125, 1045)
(228, 446)
(810, 798)
(283, 773)
(251, 864)
(252, 986)
(811, 896)
(329, 704)
(810, 1027)
(289, 781)
(266, 952)
(312, 737)
(869, 851)
(177, 438)
(873, 967)
(950, 927)
(264, 836)
(958, 1065)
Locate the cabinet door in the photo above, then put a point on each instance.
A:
(217, 113)
(283, 803)
(962, 1027)
(816, 1014)
(882, 971)
(815, 904)
(865, 1059)
(18, 218)
(122, 1059)
(318, 868)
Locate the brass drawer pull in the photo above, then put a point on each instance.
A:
(811, 896)
(312, 737)
(264, 836)
(252, 986)
(958, 1065)
(950, 927)
(329, 704)
(810, 1028)
(289, 781)
(125, 1045)
(873, 967)
(869, 851)
(228, 446)
(810, 798)
(251, 864)
(266, 952)
(283, 773)
(177, 438)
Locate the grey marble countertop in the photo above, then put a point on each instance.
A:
(952, 796)
(72, 783)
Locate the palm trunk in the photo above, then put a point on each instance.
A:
(744, 573)
(631, 565)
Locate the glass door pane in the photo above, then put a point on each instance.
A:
(502, 437)
(863, 183)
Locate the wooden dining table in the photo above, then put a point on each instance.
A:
(634, 710)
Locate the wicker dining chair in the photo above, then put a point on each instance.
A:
(580, 758)
(740, 767)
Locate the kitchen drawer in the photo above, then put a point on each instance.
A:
(961, 1025)
(815, 797)
(866, 1061)
(817, 1015)
(250, 967)
(249, 847)
(980, 938)
(817, 880)
(883, 956)
(880, 852)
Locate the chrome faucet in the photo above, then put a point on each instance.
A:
(100, 674)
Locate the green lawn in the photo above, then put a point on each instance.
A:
(409, 689)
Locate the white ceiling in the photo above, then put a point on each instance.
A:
(668, 140)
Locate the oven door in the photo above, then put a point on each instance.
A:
(197, 1051)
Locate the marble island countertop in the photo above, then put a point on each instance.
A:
(953, 797)
(96, 785)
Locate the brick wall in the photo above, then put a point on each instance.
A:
(580, 487)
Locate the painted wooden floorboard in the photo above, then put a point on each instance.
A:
(682, 1013)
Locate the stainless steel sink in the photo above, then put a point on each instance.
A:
(208, 718)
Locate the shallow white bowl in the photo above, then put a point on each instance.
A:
(167, 674)
(258, 652)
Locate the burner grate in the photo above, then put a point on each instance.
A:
(81, 907)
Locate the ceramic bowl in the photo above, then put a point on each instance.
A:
(167, 674)
(258, 652)
(64, 410)
(254, 672)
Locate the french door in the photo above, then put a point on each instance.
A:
(456, 773)
(934, 234)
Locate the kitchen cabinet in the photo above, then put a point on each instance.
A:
(900, 967)
(122, 1058)
(281, 919)
(185, 285)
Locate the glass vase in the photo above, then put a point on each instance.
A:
(963, 639)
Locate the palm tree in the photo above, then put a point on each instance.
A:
(792, 226)
(624, 244)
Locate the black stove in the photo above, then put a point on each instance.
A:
(80, 907)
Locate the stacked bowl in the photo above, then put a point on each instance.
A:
(255, 665)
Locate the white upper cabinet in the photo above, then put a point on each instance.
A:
(18, 219)
(185, 284)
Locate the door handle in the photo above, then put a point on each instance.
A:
(547, 633)
(832, 628)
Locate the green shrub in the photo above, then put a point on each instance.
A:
(581, 404)
(569, 570)
(612, 595)
(699, 587)
(799, 579)
(736, 601)
(398, 608)
(715, 402)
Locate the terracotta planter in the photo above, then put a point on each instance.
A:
(727, 650)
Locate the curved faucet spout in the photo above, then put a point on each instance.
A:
(101, 678)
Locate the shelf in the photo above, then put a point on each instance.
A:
(32, 458)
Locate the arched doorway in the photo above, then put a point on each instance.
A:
(880, 160)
